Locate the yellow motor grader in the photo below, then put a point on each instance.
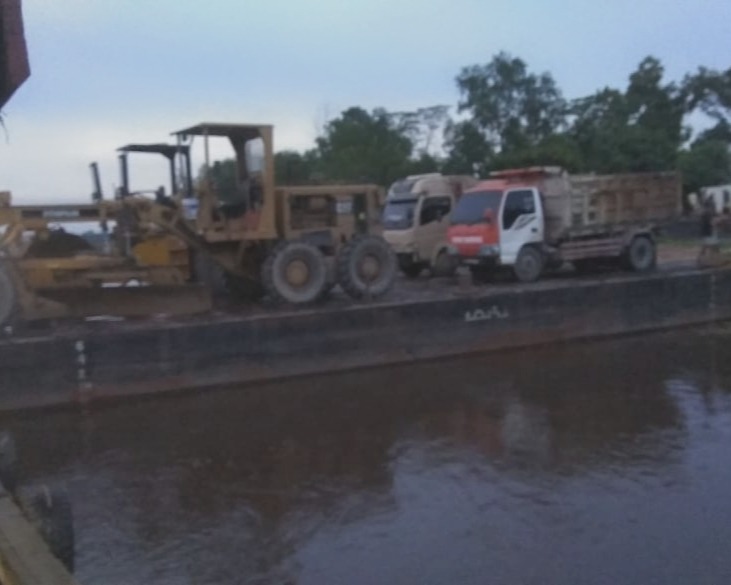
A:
(171, 253)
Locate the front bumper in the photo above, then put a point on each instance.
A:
(486, 255)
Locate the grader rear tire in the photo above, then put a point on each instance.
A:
(367, 267)
(8, 297)
(295, 272)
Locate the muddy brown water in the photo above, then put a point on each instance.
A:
(605, 462)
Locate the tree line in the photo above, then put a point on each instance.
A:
(508, 115)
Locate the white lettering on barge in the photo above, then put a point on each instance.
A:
(487, 314)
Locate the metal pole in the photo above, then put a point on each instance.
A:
(124, 175)
(208, 154)
(173, 179)
(97, 195)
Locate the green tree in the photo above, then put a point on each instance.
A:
(512, 107)
(295, 168)
(705, 163)
(360, 146)
(468, 149)
(640, 129)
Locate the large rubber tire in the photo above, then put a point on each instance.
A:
(444, 265)
(49, 510)
(529, 264)
(641, 255)
(366, 267)
(295, 272)
(8, 297)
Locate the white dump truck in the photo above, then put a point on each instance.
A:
(416, 220)
(528, 219)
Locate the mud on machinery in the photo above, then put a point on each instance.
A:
(173, 253)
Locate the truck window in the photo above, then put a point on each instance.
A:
(434, 209)
(471, 207)
(399, 214)
(517, 203)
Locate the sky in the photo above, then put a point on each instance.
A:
(105, 73)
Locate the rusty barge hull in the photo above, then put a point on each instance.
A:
(87, 364)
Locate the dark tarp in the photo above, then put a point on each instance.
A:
(14, 66)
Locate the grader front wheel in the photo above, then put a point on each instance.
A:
(295, 272)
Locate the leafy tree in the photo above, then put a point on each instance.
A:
(556, 150)
(705, 163)
(511, 107)
(422, 126)
(710, 91)
(364, 147)
(468, 149)
(294, 168)
(638, 130)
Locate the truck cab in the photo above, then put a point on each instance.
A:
(416, 220)
(499, 223)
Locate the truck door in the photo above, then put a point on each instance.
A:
(521, 222)
(433, 224)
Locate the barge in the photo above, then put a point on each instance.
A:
(96, 361)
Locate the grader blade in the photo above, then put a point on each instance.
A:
(130, 301)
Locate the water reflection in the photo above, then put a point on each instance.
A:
(507, 466)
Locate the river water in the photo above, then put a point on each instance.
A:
(606, 463)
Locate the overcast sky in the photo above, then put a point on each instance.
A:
(109, 72)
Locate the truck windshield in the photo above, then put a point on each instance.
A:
(401, 188)
(471, 207)
(399, 214)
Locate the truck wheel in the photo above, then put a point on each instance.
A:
(529, 265)
(366, 266)
(8, 297)
(641, 255)
(49, 510)
(295, 272)
(444, 265)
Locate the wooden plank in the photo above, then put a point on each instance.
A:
(25, 559)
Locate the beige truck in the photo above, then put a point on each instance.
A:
(416, 219)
